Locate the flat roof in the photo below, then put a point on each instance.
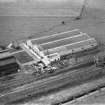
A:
(69, 47)
(53, 37)
(23, 57)
(65, 41)
(57, 43)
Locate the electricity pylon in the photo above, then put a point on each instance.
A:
(83, 10)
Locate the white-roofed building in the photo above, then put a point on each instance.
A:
(65, 42)
(53, 47)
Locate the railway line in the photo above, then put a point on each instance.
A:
(44, 86)
(17, 89)
(22, 79)
(72, 95)
(88, 89)
(71, 68)
(18, 79)
(13, 83)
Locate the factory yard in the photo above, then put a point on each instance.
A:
(24, 26)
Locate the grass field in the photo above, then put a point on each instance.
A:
(19, 21)
(20, 27)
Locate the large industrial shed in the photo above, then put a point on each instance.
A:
(65, 43)
(56, 45)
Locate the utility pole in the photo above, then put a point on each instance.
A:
(83, 10)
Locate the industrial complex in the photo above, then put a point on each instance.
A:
(45, 50)
(34, 66)
(52, 52)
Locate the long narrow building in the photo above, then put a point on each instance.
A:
(65, 43)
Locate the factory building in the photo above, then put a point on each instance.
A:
(65, 43)
(52, 47)
(44, 50)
